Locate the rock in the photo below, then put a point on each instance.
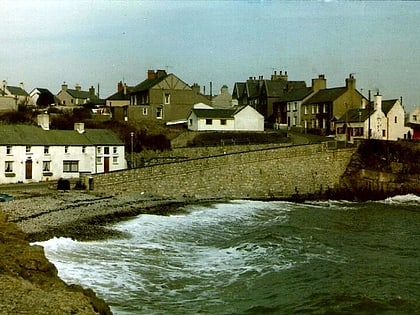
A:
(29, 283)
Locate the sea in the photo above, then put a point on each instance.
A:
(256, 257)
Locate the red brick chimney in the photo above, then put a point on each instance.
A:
(120, 87)
(151, 75)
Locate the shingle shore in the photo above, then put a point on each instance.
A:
(80, 215)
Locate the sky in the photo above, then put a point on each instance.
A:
(45, 43)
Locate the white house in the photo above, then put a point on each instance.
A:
(34, 154)
(385, 119)
(240, 118)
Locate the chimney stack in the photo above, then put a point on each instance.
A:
(319, 83)
(78, 87)
(44, 121)
(79, 127)
(377, 102)
(92, 90)
(151, 75)
(120, 87)
(351, 82)
(64, 86)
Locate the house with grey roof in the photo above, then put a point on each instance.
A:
(77, 97)
(322, 109)
(381, 119)
(15, 93)
(117, 104)
(163, 97)
(287, 109)
(35, 153)
(238, 118)
(262, 94)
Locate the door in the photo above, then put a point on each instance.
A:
(28, 169)
(106, 164)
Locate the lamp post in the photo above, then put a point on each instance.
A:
(132, 148)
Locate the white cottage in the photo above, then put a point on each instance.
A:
(34, 154)
(240, 118)
(385, 121)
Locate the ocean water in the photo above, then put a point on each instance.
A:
(251, 257)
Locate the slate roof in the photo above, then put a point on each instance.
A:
(120, 96)
(240, 87)
(148, 84)
(15, 90)
(252, 88)
(355, 115)
(386, 105)
(225, 113)
(296, 94)
(81, 94)
(326, 95)
(34, 135)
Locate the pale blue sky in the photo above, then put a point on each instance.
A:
(44, 43)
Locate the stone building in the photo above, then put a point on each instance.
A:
(321, 110)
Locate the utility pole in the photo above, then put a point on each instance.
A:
(369, 116)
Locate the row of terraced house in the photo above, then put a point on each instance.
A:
(39, 154)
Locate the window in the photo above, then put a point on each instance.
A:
(159, 113)
(84, 149)
(99, 150)
(99, 161)
(288, 107)
(306, 109)
(383, 133)
(325, 108)
(115, 160)
(294, 120)
(223, 122)
(115, 150)
(144, 111)
(209, 121)
(395, 119)
(46, 150)
(8, 166)
(66, 149)
(70, 166)
(167, 98)
(46, 166)
(106, 150)
(9, 149)
(295, 106)
(28, 149)
(313, 109)
(317, 109)
(414, 117)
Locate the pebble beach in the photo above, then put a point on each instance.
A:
(43, 214)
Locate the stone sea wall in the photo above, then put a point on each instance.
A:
(278, 173)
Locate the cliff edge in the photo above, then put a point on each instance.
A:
(29, 283)
(380, 169)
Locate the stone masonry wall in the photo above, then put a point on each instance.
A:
(267, 173)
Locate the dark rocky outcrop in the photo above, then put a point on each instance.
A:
(29, 283)
(381, 169)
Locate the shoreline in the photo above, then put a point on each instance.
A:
(83, 216)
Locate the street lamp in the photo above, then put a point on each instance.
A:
(132, 148)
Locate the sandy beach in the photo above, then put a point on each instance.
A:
(47, 213)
